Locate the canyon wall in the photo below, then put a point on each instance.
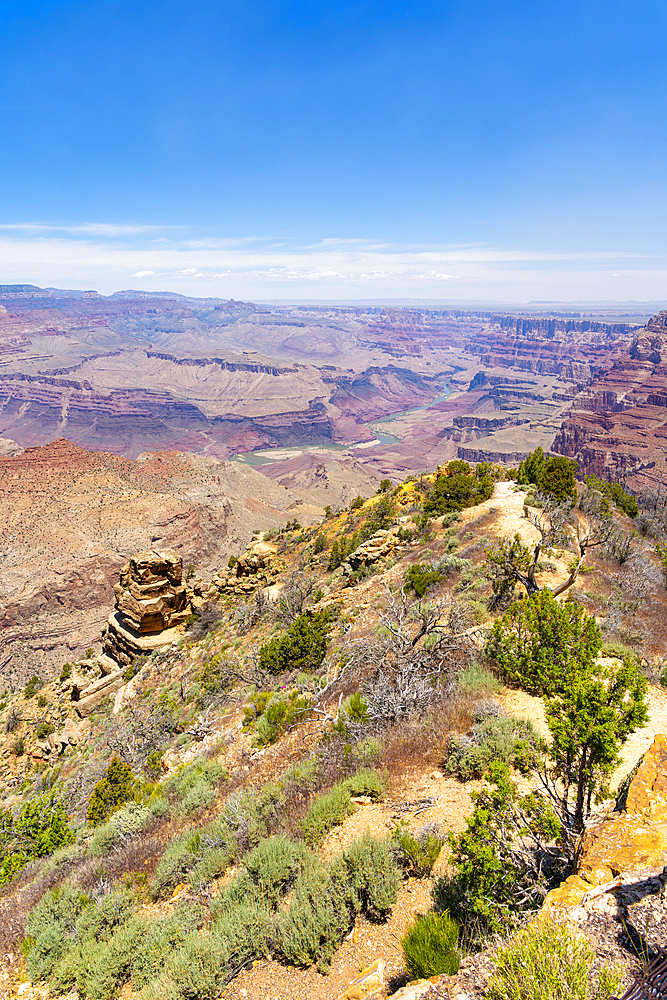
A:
(616, 427)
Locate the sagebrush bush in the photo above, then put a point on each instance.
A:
(429, 947)
(273, 867)
(548, 961)
(331, 808)
(371, 875)
(326, 811)
(317, 920)
(195, 786)
(493, 738)
(418, 854)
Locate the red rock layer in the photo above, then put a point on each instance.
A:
(617, 426)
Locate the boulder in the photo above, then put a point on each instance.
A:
(369, 981)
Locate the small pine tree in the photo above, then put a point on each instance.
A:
(110, 792)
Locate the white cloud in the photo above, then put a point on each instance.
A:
(109, 257)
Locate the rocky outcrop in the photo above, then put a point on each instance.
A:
(624, 844)
(93, 681)
(617, 427)
(257, 567)
(383, 543)
(151, 606)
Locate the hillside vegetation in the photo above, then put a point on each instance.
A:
(297, 766)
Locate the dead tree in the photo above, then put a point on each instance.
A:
(510, 561)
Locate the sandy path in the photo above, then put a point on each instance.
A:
(528, 707)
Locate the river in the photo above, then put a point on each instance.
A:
(264, 455)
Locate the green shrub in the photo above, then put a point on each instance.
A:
(18, 746)
(497, 872)
(327, 811)
(320, 543)
(331, 808)
(273, 867)
(160, 939)
(615, 492)
(272, 713)
(354, 709)
(366, 782)
(302, 647)
(66, 672)
(116, 787)
(317, 919)
(456, 488)
(380, 515)
(341, 549)
(357, 503)
(371, 875)
(32, 687)
(538, 641)
(323, 904)
(176, 863)
(153, 765)
(43, 730)
(104, 840)
(39, 828)
(429, 947)
(50, 928)
(194, 787)
(548, 962)
(552, 474)
(493, 737)
(419, 577)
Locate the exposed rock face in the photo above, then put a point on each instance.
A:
(257, 567)
(380, 545)
(617, 426)
(151, 594)
(623, 844)
(71, 518)
(151, 605)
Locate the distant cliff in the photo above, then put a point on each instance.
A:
(617, 426)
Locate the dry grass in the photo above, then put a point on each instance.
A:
(420, 742)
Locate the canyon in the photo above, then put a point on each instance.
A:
(616, 426)
(141, 419)
(72, 517)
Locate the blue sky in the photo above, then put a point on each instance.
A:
(488, 150)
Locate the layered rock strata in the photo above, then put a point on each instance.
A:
(257, 567)
(151, 606)
(151, 609)
(617, 426)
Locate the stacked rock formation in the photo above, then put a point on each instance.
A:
(151, 605)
